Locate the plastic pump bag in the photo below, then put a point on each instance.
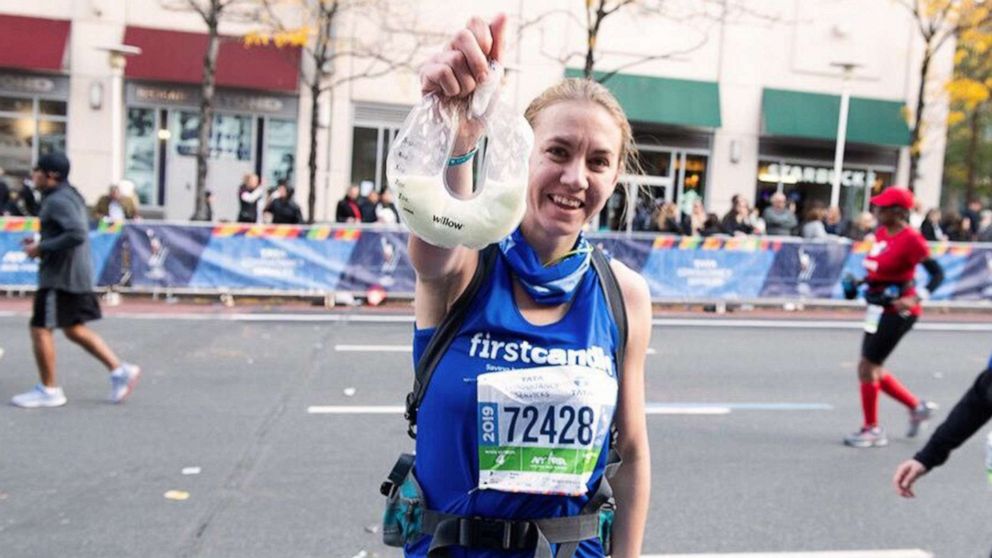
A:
(418, 162)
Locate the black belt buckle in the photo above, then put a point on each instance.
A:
(500, 534)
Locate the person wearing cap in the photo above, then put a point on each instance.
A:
(893, 307)
(65, 297)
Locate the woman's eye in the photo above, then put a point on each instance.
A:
(600, 163)
(557, 152)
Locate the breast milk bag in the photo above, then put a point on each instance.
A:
(419, 158)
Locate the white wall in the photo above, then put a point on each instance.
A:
(790, 46)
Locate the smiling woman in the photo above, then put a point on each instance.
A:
(515, 452)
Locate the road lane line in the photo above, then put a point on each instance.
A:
(899, 553)
(808, 324)
(355, 409)
(650, 408)
(397, 349)
(374, 348)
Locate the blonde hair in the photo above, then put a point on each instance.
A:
(577, 89)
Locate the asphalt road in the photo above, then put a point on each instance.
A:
(231, 397)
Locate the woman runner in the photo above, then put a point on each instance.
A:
(540, 311)
(893, 308)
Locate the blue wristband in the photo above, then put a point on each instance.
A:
(462, 159)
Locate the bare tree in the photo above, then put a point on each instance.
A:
(315, 26)
(938, 22)
(212, 12)
(699, 15)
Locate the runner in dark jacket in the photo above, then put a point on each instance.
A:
(971, 412)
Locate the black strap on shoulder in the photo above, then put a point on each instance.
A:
(614, 298)
(444, 335)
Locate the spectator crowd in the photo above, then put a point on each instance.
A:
(780, 218)
(816, 222)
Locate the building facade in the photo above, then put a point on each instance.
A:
(722, 103)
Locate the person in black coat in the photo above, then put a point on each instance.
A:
(349, 209)
(283, 209)
(967, 417)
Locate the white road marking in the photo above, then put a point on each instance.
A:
(374, 348)
(809, 324)
(650, 408)
(685, 410)
(898, 553)
(355, 410)
(398, 349)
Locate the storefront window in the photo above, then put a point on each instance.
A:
(693, 180)
(230, 137)
(51, 136)
(139, 153)
(369, 148)
(808, 184)
(364, 152)
(54, 108)
(16, 105)
(655, 163)
(280, 151)
(16, 137)
(29, 127)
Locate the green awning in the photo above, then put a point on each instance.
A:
(814, 116)
(679, 102)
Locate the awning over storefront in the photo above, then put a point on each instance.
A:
(177, 57)
(814, 116)
(678, 102)
(33, 43)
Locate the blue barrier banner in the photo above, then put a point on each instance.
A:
(147, 255)
(975, 280)
(277, 257)
(163, 255)
(16, 269)
(633, 251)
(15, 266)
(379, 259)
(807, 270)
(708, 268)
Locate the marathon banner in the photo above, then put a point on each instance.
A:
(228, 257)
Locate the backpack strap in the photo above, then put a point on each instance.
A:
(444, 335)
(614, 299)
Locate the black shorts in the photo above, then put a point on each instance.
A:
(56, 308)
(876, 347)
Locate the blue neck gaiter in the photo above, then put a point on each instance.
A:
(551, 284)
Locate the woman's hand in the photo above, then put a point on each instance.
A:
(455, 72)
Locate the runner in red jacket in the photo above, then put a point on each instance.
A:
(893, 308)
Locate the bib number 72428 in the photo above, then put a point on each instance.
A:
(552, 425)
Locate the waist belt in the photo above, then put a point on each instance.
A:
(523, 534)
(506, 534)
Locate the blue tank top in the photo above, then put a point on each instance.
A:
(447, 433)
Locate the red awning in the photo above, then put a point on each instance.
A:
(32, 43)
(177, 57)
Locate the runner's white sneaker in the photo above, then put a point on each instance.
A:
(867, 437)
(40, 396)
(919, 416)
(122, 381)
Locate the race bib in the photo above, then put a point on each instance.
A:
(872, 316)
(541, 430)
